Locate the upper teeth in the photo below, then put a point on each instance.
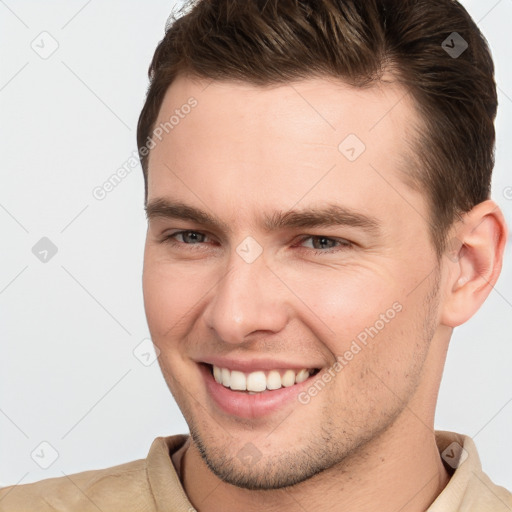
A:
(259, 381)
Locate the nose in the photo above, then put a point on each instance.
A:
(249, 298)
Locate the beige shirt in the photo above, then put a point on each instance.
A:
(152, 484)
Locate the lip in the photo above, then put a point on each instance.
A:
(254, 365)
(244, 405)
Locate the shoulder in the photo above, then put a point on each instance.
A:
(88, 490)
(134, 486)
(469, 488)
(494, 497)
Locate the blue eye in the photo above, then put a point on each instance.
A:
(196, 239)
(195, 244)
(186, 233)
(342, 243)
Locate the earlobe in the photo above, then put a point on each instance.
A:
(474, 260)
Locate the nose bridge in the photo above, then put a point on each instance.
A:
(247, 299)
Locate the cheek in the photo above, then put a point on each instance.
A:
(368, 320)
(347, 303)
(170, 296)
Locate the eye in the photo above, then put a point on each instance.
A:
(187, 233)
(323, 240)
(194, 236)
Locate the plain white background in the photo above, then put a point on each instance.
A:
(69, 326)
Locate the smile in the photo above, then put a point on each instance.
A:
(253, 389)
(260, 381)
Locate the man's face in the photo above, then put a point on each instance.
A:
(355, 299)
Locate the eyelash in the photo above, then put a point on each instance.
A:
(343, 244)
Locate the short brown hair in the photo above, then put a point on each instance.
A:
(267, 42)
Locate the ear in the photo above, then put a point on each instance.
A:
(474, 258)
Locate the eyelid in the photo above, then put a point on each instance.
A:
(333, 238)
(170, 237)
(343, 243)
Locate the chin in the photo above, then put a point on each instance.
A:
(248, 468)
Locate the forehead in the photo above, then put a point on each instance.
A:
(316, 110)
(307, 141)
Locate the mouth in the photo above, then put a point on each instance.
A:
(255, 394)
(260, 381)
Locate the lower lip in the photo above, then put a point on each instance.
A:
(244, 405)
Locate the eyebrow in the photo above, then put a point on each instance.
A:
(329, 215)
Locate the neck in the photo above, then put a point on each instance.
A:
(399, 470)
